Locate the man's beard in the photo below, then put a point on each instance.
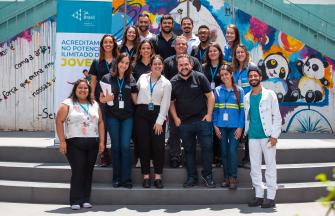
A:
(255, 84)
(143, 28)
(167, 32)
(185, 75)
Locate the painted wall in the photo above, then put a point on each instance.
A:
(301, 76)
(27, 79)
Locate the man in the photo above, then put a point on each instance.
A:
(200, 51)
(143, 23)
(87, 75)
(192, 102)
(170, 64)
(262, 112)
(170, 70)
(163, 42)
(187, 27)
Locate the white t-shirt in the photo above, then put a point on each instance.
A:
(82, 119)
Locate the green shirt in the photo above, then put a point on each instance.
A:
(256, 130)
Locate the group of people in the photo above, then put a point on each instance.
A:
(204, 93)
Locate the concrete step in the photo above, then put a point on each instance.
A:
(60, 172)
(41, 192)
(43, 150)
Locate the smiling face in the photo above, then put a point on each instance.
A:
(82, 91)
(254, 78)
(184, 66)
(145, 50)
(143, 23)
(157, 66)
(203, 34)
(167, 26)
(186, 26)
(226, 77)
(123, 65)
(213, 53)
(241, 55)
(230, 35)
(131, 34)
(108, 44)
(181, 46)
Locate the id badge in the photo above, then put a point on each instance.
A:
(212, 85)
(121, 104)
(239, 83)
(225, 117)
(151, 106)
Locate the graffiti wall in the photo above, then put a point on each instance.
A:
(27, 79)
(301, 76)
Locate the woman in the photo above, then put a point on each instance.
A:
(130, 41)
(119, 118)
(152, 108)
(214, 60)
(228, 121)
(241, 62)
(233, 39)
(81, 140)
(143, 56)
(99, 68)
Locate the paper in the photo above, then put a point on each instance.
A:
(107, 89)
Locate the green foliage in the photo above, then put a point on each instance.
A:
(329, 200)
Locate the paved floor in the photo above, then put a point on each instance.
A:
(292, 209)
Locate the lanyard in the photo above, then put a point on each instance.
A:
(202, 54)
(120, 85)
(152, 87)
(130, 53)
(86, 109)
(213, 73)
(107, 65)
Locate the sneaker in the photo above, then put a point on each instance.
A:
(128, 184)
(87, 205)
(208, 181)
(190, 182)
(268, 203)
(256, 201)
(225, 183)
(138, 164)
(75, 207)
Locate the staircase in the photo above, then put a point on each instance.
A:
(17, 16)
(32, 170)
(294, 20)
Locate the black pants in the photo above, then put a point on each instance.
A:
(150, 145)
(174, 141)
(81, 154)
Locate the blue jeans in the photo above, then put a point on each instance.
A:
(229, 148)
(203, 131)
(120, 133)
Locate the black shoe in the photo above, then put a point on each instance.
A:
(158, 183)
(190, 182)
(116, 184)
(128, 184)
(268, 203)
(146, 183)
(255, 202)
(174, 163)
(208, 181)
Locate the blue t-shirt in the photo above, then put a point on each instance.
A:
(256, 130)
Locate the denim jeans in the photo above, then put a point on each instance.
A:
(203, 131)
(120, 133)
(229, 148)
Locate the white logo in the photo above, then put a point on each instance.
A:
(83, 15)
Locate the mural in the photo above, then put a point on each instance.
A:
(27, 79)
(301, 76)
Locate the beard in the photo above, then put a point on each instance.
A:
(167, 31)
(185, 74)
(143, 28)
(255, 84)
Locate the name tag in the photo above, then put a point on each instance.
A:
(225, 117)
(212, 85)
(121, 104)
(151, 106)
(239, 83)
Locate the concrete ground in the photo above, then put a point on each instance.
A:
(292, 209)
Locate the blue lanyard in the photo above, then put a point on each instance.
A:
(131, 53)
(202, 54)
(213, 73)
(120, 85)
(107, 65)
(86, 110)
(152, 87)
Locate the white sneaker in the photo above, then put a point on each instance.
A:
(138, 164)
(87, 205)
(75, 207)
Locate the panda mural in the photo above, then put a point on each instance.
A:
(312, 82)
(275, 69)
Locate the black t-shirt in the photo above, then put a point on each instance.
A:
(189, 96)
(162, 47)
(207, 69)
(139, 69)
(199, 53)
(99, 69)
(171, 68)
(128, 87)
(131, 52)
